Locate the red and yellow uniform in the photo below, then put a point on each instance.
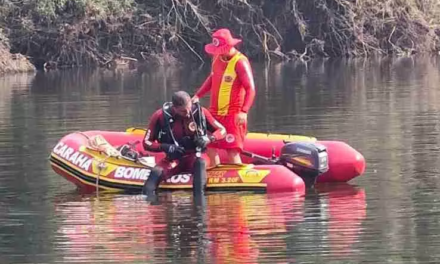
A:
(232, 91)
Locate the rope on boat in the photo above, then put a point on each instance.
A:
(101, 166)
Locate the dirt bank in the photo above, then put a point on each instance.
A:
(12, 63)
(126, 33)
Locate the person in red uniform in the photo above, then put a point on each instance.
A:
(182, 130)
(232, 88)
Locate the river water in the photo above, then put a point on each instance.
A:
(388, 109)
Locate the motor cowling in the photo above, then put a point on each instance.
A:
(307, 159)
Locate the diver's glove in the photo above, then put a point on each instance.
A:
(172, 150)
(203, 141)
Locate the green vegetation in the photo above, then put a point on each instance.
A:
(65, 33)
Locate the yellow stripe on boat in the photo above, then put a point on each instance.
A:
(136, 131)
(83, 181)
(103, 178)
(253, 135)
(227, 167)
(285, 137)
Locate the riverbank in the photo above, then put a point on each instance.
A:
(12, 63)
(129, 33)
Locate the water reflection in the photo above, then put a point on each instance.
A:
(386, 108)
(227, 228)
(346, 209)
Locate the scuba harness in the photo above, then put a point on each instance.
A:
(166, 134)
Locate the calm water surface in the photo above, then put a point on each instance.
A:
(389, 110)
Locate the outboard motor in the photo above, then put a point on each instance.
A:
(308, 160)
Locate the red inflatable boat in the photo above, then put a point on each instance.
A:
(344, 162)
(274, 163)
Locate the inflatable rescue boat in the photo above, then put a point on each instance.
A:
(112, 160)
